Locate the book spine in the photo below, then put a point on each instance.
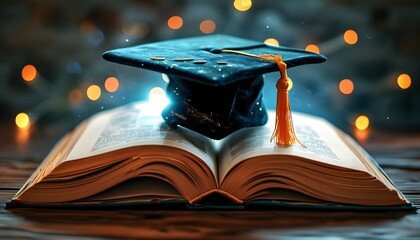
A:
(200, 197)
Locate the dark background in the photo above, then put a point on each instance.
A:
(64, 40)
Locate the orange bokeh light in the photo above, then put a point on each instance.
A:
(362, 122)
(207, 26)
(312, 48)
(175, 22)
(346, 86)
(93, 92)
(29, 73)
(350, 37)
(361, 135)
(75, 96)
(242, 5)
(404, 81)
(22, 120)
(135, 29)
(111, 84)
(272, 41)
(86, 27)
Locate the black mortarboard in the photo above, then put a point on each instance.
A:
(212, 92)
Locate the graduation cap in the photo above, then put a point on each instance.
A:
(216, 81)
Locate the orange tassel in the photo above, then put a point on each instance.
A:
(284, 133)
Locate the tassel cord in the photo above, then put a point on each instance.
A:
(283, 133)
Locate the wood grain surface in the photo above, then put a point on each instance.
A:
(18, 159)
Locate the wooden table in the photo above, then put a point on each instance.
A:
(20, 155)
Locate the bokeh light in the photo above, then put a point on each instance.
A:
(156, 94)
(86, 28)
(29, 72)
(242, 5)
(165, 78)
(404, 81)
(207, 26)
(135, 29)
(93, 92)
(361, 135)
(111, 84)
(22, 120)
(362, 122)
(272, 41)
(175, 22)
(346, 86)
(289, 84)
(350, 37)
(75, 96)
(312, 48)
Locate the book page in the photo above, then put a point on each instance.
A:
(138, 125)
(322, 142)
(137, 187)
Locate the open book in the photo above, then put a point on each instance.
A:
(128, 156)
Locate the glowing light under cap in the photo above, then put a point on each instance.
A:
(157, 94)
(157, 99)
